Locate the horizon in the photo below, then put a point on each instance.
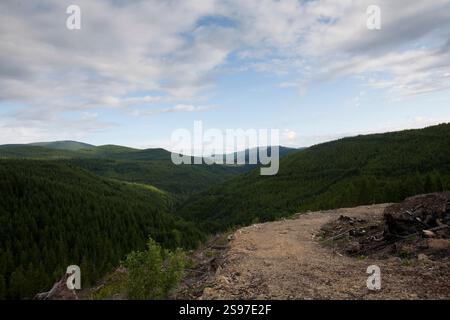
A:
(224, 151)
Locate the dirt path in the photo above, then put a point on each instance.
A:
(282, 260)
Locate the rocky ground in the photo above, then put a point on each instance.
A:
(290, 259)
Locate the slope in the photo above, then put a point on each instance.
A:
(148, 166)
(352, 171)
(53, 215)
(63, 145)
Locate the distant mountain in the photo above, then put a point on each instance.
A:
(63, 145)
(79, 150)
(348, 172)
(148, 166)
(25, 151)
(245, 154)
(125, 153)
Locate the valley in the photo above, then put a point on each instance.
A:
(68, 203)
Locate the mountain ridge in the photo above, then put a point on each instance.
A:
(346, 172)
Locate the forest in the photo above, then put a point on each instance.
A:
(91, 206)
(53, 215)
(344, 173)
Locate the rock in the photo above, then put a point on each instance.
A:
(395, 260)
(344, 219)
(209, 293)
(422, 257)
(358, 232)
(429, 234)
(223, 280)
(267, 263)
(218, 270)
(59, 291)
(353, 247)
(438, 244)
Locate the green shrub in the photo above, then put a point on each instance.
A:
(154, 272)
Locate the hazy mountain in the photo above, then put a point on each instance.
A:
(63, 145)
(245, 154)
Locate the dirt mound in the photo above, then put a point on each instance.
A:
(353, 236)
(430, 212)
(419, 225)
(286, 260)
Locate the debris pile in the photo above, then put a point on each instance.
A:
(419, 225)
(205, 262)
(59, 291)
(428, 215)
(352, 236)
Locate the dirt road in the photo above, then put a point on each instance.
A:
(283, 260)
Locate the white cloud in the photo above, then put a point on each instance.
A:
(130, 54)
(289, 135)
(176, 108)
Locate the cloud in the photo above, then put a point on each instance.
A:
(289, 135)
(122, 48)
(408, 56)
(24, 130)
(176, 108)
(131, 54)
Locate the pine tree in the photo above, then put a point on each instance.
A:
(2, 287)
(428, 184)
(17, 284)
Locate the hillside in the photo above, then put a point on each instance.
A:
(63, 145)
(348, 172)
(148, 166)
(282, 151)
(53, 215)
(181, 181)
(79, 150)
(22, 151)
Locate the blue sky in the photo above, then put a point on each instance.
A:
(138, 70)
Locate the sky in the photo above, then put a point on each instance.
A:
(138, 70)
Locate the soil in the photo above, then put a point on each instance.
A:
(288, 259)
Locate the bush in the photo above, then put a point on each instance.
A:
(154, 272)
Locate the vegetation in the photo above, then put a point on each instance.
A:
(152, 273)
(63, 145)
(181, 181)
(92, 206)
(19, 151)
(150, 166)
(53, 215)
(348, 172)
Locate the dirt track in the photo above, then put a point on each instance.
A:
(283, 260)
